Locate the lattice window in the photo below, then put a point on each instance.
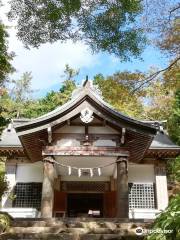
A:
(28, 195)
(141, 195)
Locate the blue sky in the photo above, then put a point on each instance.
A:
(47, 63)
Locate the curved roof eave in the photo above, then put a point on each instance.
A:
(83, 94)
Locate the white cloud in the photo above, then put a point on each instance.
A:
(47, 63)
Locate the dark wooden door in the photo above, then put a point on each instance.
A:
(110, 204)
(60, 199)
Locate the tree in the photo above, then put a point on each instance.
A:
(158, 101)
(104, 25)
(170, 39)
(8, 109)
(116, 90)
(161, 19)
(3, 182)
(13, 102)
(5, 57)
(174, 121)
(20, 92)
(4, 219)
(53, 99)
(22, 88)
(170, 218)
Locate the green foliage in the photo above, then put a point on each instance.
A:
(116, 90)
(159, 100)
(13, 104)
(102, 24)
(4, 218)
(174, 169)
(5, 57)
(52, 99)
(3, 182)
(7, 109)
(4, 222)
(22, 88)
(168, 220)
(174, 122)
(169, 43)
(171, 78)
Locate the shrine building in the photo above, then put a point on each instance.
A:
(85, 159)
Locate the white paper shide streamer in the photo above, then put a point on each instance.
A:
(99, 171)
(69, 170)
(80, 170)
(91, 172)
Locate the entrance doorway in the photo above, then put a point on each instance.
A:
(80, 204)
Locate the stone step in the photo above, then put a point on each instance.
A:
(72, 229)
(37, 223)
(28, 230)
(75, 224)
(68, 236)
(54, 221)
(57, 230)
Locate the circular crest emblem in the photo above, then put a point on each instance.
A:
(86, 115)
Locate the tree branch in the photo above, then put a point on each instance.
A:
(154, 75)
(173, 10)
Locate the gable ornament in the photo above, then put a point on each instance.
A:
(86, 115)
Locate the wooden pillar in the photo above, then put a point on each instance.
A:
(122, 189)
(112, 183)
(48, 188)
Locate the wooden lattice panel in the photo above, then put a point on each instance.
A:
(85, 186)
(141, 195)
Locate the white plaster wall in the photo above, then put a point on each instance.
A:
(104, 143)
(102, 130)
(70, 129)
(143, 213)
(79, 129)
(22, 212)
(68, 143)
(161, 192)
(141, 173)
(30, 172)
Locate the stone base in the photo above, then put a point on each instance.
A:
(66, 236)
(73, 229)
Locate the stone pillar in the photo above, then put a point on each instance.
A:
(122, 189)
(161, 187)
(47, 200)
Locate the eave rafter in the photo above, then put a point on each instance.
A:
(11, 151)
(163, 153)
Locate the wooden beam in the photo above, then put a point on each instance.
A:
(89, 124)
(80, 136)
(84, 151)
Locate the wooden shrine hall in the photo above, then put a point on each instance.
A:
(86, 159)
